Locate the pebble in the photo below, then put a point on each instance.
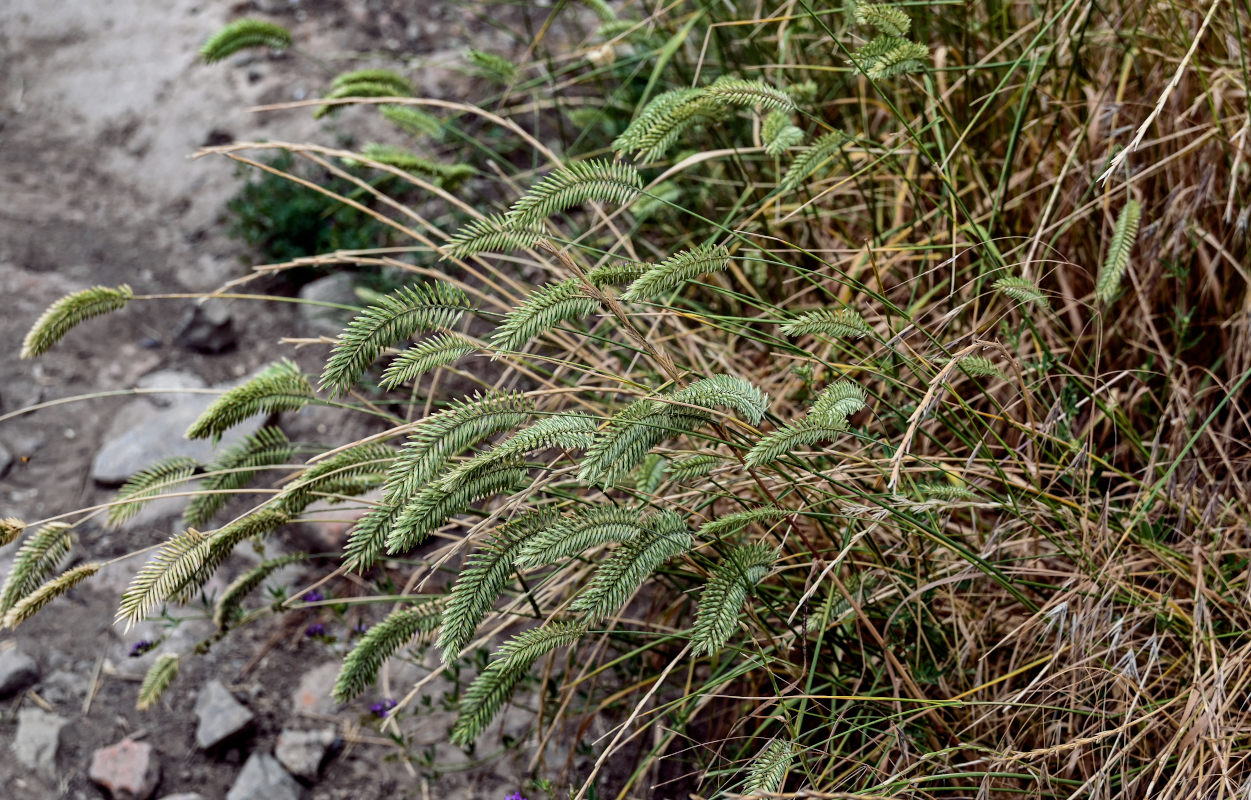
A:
(128, 770)
(312, 696)
(302, 752)
(142, 434)
(263, 778)
(17, 672)
(38, 739)
(208, 329)
(221, 715)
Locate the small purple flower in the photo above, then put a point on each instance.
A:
(315, 630)
(515, 796)
(140, 647)
(314, 596)
(383, 707)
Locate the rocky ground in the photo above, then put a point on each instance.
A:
(100, 105)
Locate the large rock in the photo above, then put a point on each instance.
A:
(169, 379)
(221, 715)
(17, 672)
(143, 434)
(38, 739)
(312, 696)
(128, 770)
(263, 778)
(321, 320)
(302, 752)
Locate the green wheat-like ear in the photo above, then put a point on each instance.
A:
(437, 351)
(380, 642)
(887, 56)
(628, 437)
(779, 134)
(160, 675)
(946, 492)
(334, 474)
(677, 269)
(366, 542)
(810, 160)
(729, 391)
(492, 688)
(650, 473)
(434, 506)
(841, 323)
(544, 309)
(399, 315)
(568, 431)
(441, 436)
(735, 522)
(447, 174)
(572, 185)
(493, 233)
(413, 121)
(667, 537)
(663, 121)
(980, 367)
(36, 560)
(736, 91)
(279, 387)
(228, 605)
(825, 421)
(1123, 235)
(724, 594)
(71, 310)
(220, 545)
(490, 65)
(576, 533)
(243, 34)
(233, 469)
(149, 484)
(173, 565)
(29, 605)
(482, 578)
(362, 88)
(1021, 290)
(696, 466)
(619, 273)
(399, 85)
(769, 769)
(10, 529)
(888, 19)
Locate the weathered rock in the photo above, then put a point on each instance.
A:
(142, 434)
(6, 460)
(169, 379)
(207, 328)
(17, 671)
(128, 770)
(263, 778)
(38, 739)
(63, 688)
(322, 320)
(312, 696)
(302, 752)
(221, 715)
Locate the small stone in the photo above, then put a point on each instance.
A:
(63, 688)
(183, 796)
(302, 752)
(221, 715)
(312, 696)
(208, 329)
(322, 320)
(168, 379)
(38, 739)
(128, 770)
(18, 671)
(263, 778)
